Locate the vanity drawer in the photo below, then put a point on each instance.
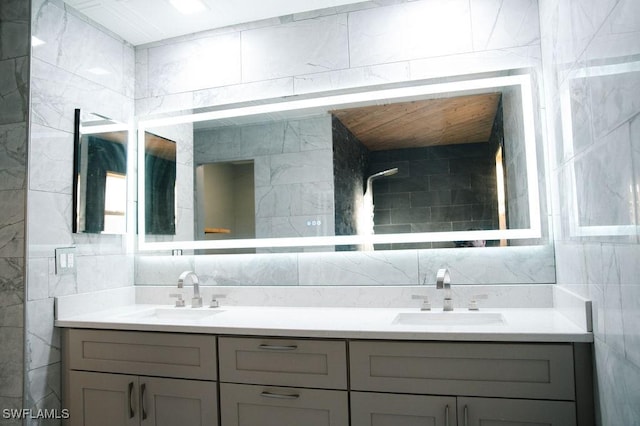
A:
(189, 356)
(538, 371)
(246, 405)
(284, 362)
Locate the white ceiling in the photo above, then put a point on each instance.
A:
(146, 21)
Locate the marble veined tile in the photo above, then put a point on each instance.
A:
(44, 388)
(38, 278)
(161, 270)
(104, 272)
(141, 79)
(268, 89)
(359, 268)
(615, 99)
(300, 47)
(302, 167)
(12, 339)
(14, 37)
(500, 24)
(43, 340)
(11, 281)
(604, 182)
(352, 77)
(630, 294)
(12, 223)
(247, 269)
(618, 386)
(295, 199)
(634, 129)
(49, 216)
(496, 265)
(296, 226)
(13, 93)
(56, 93)
(476, 62)
(13, 156)
(194, 64)
(51, 159)
(408, 31)
(76, 46)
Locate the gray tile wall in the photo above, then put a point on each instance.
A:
(62, 80)
(442, 188)
(14, 101)
(592, 78)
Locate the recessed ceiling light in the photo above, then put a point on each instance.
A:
(188, 7)
(35, 41)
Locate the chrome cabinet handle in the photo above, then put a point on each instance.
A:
(143, 390)
(466, 416)
(278, 347)
(130, 395)
(446, 415)
(279, 395)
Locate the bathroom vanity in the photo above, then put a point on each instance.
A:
(151, 364)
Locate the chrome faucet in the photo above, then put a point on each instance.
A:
(196, 301)
(443, 282)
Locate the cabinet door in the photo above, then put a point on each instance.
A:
(171, 402)
(250, 405)
(100, 399)
(514, 412)
(386, 409)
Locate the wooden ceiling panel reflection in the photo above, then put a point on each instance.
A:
(464, 119)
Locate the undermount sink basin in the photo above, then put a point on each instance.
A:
(172, 314)
(449, 318)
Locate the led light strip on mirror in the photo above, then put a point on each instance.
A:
(323, 104)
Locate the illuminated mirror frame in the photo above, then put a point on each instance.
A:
(576, 229)
(322, 103)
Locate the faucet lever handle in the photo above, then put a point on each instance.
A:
(179, 300)
(214, 300)
(426, 305)
(473, 303)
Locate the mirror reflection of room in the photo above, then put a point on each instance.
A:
(100, 178)
(432, 166)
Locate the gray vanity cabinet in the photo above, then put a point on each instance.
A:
(98, 399)
(514, 412)
(137, 378)
(253, 405)
(387, 409)
(276, 382)
(509, 384)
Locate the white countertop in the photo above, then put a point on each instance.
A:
(518, 325)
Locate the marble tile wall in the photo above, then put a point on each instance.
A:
(496, 265)
(378, 43)
(591, 59)
(14, 101)
(65, 74)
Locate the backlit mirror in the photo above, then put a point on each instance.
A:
(413, 167)
(100, 174)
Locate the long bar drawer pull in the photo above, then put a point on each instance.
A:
(279, 395)
(446, 415)
(278, 347)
